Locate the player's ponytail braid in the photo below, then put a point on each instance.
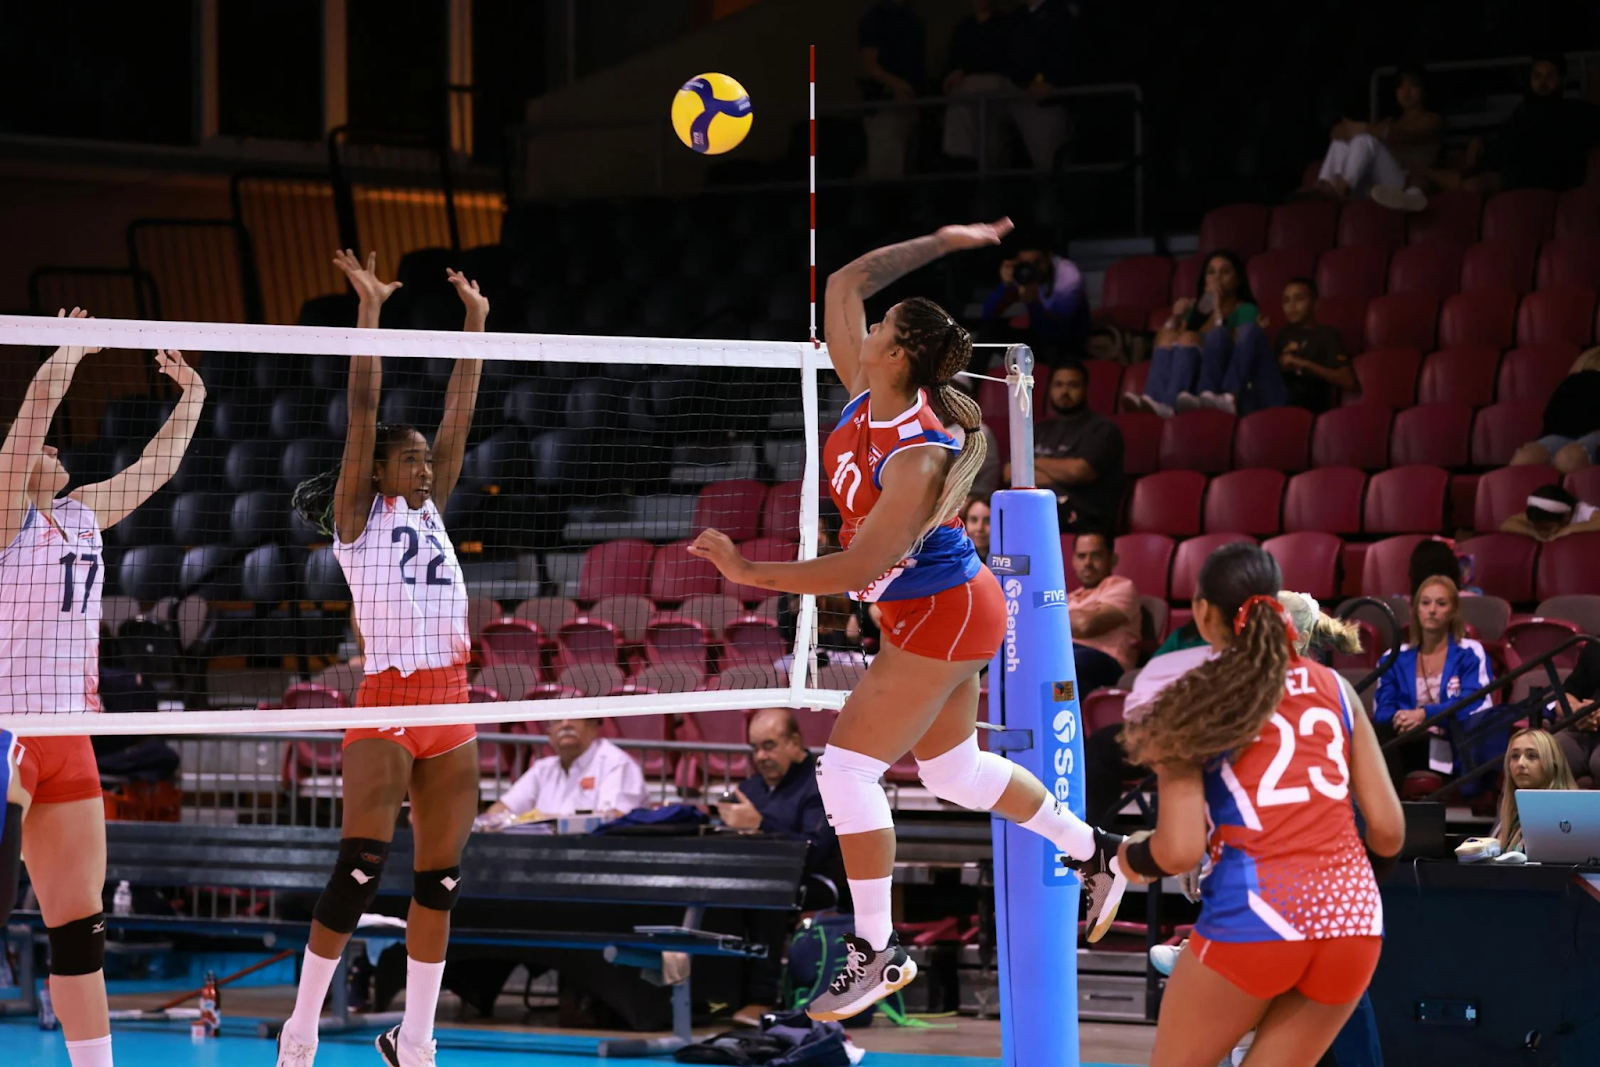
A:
(1223, 704)
(313, 498)
(940, 349)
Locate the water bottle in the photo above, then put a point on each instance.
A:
(122, 900)
(210, 1020)
(47, 1010)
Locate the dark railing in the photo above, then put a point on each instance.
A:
(203, 268)
(110, 292)
(293, 228)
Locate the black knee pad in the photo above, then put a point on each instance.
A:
(10, 860)
(78, 947)
(354, 884)
(437, 889)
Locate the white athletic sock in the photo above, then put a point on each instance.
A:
(95, 1052)
(1055, 823)
(422, 1000)
(873, 903)
(316, 975)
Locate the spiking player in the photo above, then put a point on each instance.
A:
(898, 479)
(410, 610)
(53, 574)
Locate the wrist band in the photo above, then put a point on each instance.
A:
(1142, 862)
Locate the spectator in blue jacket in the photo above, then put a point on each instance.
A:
(1440, 665)
(1040, 296)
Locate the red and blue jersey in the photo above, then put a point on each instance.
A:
(1287, 861)
(854, 458)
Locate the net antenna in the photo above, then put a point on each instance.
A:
(699, 358)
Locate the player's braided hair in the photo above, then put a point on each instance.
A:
(939, 349)
(1222, 704)
(313, 498)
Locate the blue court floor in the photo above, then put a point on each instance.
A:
(22, 1044)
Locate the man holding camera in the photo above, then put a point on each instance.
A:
(1040, 296)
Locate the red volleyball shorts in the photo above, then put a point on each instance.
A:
(56, 770)
(431, 685)
(963, 623)
(1333, 970)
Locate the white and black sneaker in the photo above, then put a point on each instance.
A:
(867, 978)
(397, 1053)
(1103, 882)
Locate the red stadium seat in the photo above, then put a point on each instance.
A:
(1502, 564)
(1434, 435)
(1559, 313)
(780, 515)
(1145, 559)
(1387, 377)
(734, 507)
(651, 729)
(1191, 555)
(670, 640)
(629, 614)
(1407, 500)
(1569, 566)
(1402, 320)
(1133, 379)
(753, 640)
(1433, 269)
(616, 568)
(1519, 215)
(1167, 502)
(1105, 384)
(1503, 493)
(1326, 499)
(1240, 228)
(512, 641)
(1309, 561)
(675, 575)
(1449, 217)
(1068, 543)
(1578, 212)
(1498, 265)
(1101, 708)
(1186, 274)
(726, 727)
(1461, 375)
(1356, 435)
(1500, 429)
(1279, 438)
(1355, 272)
(1364, 222)
(1532, 372)
(586, 640)
(1270, 271)
(764, 550)
(1348, 315)
(1580, 609)
(549, 613)
(1585, 485)
(1570, 261)
(1198, 441)
(1386, 571)
(1307, 224)
(1137, 284)
(1481, 317)
(1141, 441)
(1245, 501)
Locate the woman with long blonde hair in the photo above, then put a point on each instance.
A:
(1533, 761)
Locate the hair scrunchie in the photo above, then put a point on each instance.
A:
(1243, 616)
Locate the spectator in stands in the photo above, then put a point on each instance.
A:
(891, 38)
(1195, 348)
(1040, 39)
(1571, 439)
(781, 798)
(1533, 761)
(1040, 296)
(977, 66)
(1553, 512)
(1438, 666)
(1543, 145)
(588, 774)
(976, 516)
(1078, 454)
(1438, 556)
(1185, 636)
(1105, 615)
(1394, 153)
(1580, 742)
(1112, 342)
(1311, 358)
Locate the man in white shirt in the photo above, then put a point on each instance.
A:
(588, 774)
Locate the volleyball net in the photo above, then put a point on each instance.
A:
(589, 465)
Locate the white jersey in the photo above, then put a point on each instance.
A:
(410, 603)
(51, 578)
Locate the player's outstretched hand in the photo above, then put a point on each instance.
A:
(975, 234)
(364, 279)
(171, 363)
(718, 547)
(77, 313)
(477, 304)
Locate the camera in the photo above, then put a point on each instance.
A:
(1029, 272)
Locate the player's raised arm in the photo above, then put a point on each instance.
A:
(112, 499)
(353, 492)
(25, 440)
(844, 310)
(450, 444)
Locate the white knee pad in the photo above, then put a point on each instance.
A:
(852, 794)
(967, 776)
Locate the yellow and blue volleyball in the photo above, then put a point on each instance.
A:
(711, 114)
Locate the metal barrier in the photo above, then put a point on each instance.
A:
(203, 268)
(293, 228)
(404, 193)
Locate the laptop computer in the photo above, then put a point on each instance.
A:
(1560, 825)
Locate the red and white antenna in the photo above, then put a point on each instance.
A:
(813, 161)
